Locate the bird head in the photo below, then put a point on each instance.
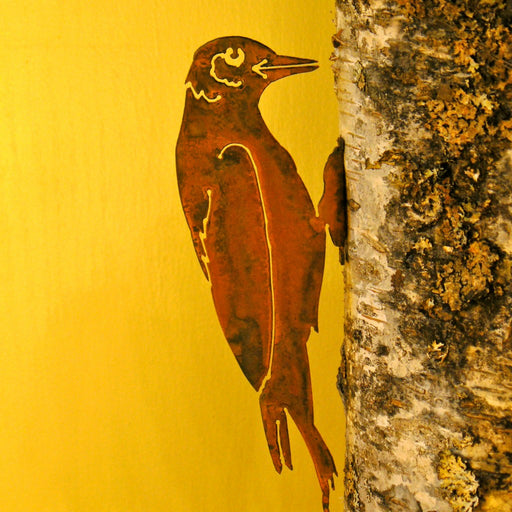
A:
(237, 66)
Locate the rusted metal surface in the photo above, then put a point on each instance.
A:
(332, 208)
(256, 234)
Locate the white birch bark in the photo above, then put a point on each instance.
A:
(425, 95)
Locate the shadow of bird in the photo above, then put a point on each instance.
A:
(256, 234)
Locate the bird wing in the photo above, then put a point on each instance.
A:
(226, 217)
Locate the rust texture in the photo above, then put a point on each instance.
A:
(435, 78)
(333, 205)
(256, 234)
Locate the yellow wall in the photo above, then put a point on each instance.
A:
(117, 389)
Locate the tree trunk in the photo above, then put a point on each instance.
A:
(425, 90)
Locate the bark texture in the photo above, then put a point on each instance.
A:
(425, 94)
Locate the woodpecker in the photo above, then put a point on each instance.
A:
(256, 234)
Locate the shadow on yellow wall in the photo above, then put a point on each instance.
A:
(110, 400)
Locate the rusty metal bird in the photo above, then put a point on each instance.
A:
(256, 234)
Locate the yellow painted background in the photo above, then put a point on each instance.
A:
(117, 389)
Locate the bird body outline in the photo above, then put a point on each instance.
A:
(256, 234)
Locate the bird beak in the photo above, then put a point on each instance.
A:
(280, 66)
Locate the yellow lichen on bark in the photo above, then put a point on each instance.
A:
(458, 482)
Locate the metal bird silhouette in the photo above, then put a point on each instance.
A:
(256, 234)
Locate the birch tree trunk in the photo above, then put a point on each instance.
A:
(425, 94)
